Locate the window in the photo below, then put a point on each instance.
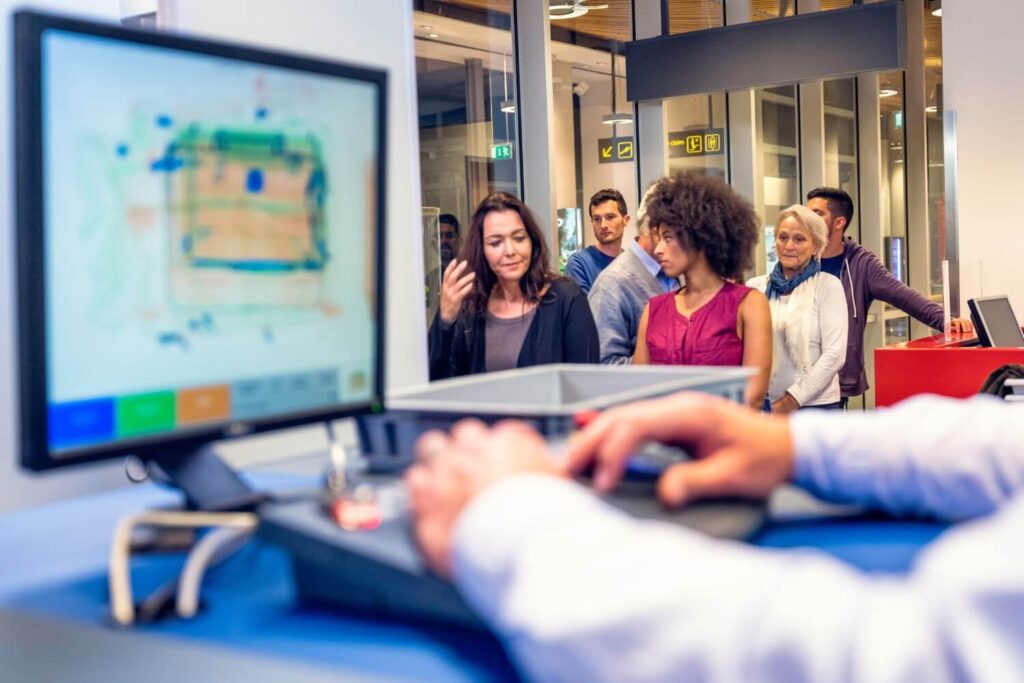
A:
(595, 147)
(840, 127)
(465, 88)
(694, 15)
(780, 153)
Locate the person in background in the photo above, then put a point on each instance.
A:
(448, 243)
(808, 316)
(609, 217)
(864, 279)
(707, 236)
(579, 591)
(502, 307)
(621, 291)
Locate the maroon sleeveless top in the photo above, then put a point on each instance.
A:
(707, 337)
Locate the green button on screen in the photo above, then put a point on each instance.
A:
(144, 413)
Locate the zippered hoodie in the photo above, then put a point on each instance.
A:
(865, 279)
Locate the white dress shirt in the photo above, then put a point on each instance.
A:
(582, 592)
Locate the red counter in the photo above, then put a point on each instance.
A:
(933, 365)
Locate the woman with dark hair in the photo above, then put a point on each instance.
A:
(708, 233)
(501, 305)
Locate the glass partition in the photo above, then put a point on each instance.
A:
(594, 136)
(761, 10)
(840, 128)
(780, 144)
(465, 85)
(694, 15)
(697, 134)
(894, 188)
(935, 149)
(468, 140)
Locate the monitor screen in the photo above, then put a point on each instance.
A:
(199, 239)
(996, 322)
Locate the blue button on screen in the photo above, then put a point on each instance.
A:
(81, 422)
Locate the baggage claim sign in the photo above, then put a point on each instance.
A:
(696, 143)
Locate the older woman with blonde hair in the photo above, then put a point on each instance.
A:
(809, 321)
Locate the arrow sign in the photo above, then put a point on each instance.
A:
(613, 150)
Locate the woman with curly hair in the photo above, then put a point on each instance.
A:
(501, 306)
(809, 317)
(708, 234)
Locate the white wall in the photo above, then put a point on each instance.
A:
(983, 83)
(376, 34)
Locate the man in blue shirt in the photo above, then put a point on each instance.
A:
(609, 217)
(581, 591)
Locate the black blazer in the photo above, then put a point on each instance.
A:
(562, 331)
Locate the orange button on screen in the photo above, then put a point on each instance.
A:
(204, 404)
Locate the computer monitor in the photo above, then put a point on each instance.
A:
(199, 242)
(995, 322)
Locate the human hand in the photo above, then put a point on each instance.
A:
(961, 325)
(452, 469)
(455, 287)
(785, 405)
(736, 451)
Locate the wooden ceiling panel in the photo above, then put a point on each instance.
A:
(615, 22)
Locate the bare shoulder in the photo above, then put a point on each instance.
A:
(754, 303)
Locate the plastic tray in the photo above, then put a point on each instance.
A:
(547, 396)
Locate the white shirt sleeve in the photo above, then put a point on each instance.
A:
(580, 591)
(928, 456)
(832, 331)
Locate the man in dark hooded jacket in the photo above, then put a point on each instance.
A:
(864, 280)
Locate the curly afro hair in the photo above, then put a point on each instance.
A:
(707, 215)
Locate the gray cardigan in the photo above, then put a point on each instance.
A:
(617, 299)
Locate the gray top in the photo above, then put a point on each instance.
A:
(504, 340)
(617, 300)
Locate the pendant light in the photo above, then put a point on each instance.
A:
(616, 117)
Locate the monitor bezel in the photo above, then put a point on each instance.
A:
(31, 374)
(982, 324)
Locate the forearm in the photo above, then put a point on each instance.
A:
(929, 456)
(894, 292)
(580, 591)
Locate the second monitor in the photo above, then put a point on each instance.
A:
(995, 321)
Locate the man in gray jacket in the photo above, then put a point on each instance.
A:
(864, 280)
(619, 294)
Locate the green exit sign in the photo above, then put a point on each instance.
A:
(501, 151)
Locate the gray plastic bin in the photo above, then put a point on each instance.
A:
(547, 396)
(381, 571)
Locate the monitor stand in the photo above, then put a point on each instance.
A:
(215, 496)
(207, 481)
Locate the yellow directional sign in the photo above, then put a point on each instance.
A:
(696, 142)
(613, 150)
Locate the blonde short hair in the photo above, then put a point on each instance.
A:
(812, 223)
